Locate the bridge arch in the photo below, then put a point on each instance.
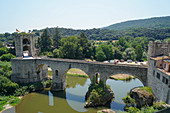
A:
(136, 76)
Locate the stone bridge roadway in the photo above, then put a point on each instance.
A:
(26, 70)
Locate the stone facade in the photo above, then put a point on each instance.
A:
(158, 49)
(159, 80)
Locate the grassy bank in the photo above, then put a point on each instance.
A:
(78, 75)
(76, 72)
(11, 100)
(125, 77)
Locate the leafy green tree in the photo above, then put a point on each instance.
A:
(44, 41)
(6, 86)
(108, 51)
(56, 53)
(70, 48)
(7, 57)
(3, 50)
(84, 43)
(129, 54)
(100, 56)
(123, 43)
(117, 53)
(56, 38)
(139, 52)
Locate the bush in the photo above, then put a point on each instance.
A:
(14, 101)
(158, 105)
(7, 57)
(148, 110)
(128, 100)
(5, 69)
(3, 50)
(23, 90)
(6, 86)
(47, 83)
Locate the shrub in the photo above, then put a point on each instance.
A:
(3, 50)
(94, 97)
(133, 110)
(14, 101)
(128, 100)
(6, 86)
(7, 57)
(148, 110)
(21, 91)
(47, 83)
(158, 105)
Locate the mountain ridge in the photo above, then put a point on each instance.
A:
(154, 22)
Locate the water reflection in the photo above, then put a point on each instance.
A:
(72, 99)
(51, 103)
(73, 81)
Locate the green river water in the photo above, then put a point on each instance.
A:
(72, 99)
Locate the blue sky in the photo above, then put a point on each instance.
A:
(77, 14)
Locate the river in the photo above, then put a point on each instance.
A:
(73, 98)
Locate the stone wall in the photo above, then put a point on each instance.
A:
(30, 70)
(158, 49)
(19, 45)
(160, 89)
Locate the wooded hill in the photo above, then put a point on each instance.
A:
(154, 23)
(157, 28)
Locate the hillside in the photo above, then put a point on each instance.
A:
(154, 29)
(156, 23)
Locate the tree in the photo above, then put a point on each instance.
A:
(84, 43)
(56, 38)
(70, 48)
(44, 41)
(6, 86)
(108, 51)
(139, 52)
(3, 50)
(7, 57)
(129, 54)
(100, 56)
(117, 53)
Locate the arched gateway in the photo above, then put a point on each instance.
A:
(25, 70)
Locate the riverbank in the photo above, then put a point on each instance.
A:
(9, 102)
(122, 77)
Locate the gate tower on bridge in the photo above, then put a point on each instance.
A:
(24, 42)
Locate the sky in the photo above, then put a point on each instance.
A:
(77, 14)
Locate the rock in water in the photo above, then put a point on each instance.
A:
(106, 111)
(101, 100)
(142, 97)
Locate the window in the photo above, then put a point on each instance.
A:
(56, 72)
(165, 65)
(153, 72)
(154, 63)
(158, 75)
(165, 80)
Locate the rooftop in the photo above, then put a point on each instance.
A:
(160, 57)
(167, 61)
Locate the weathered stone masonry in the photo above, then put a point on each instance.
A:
(160, 87)
(30, 70)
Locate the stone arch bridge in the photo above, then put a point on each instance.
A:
(25, 70)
